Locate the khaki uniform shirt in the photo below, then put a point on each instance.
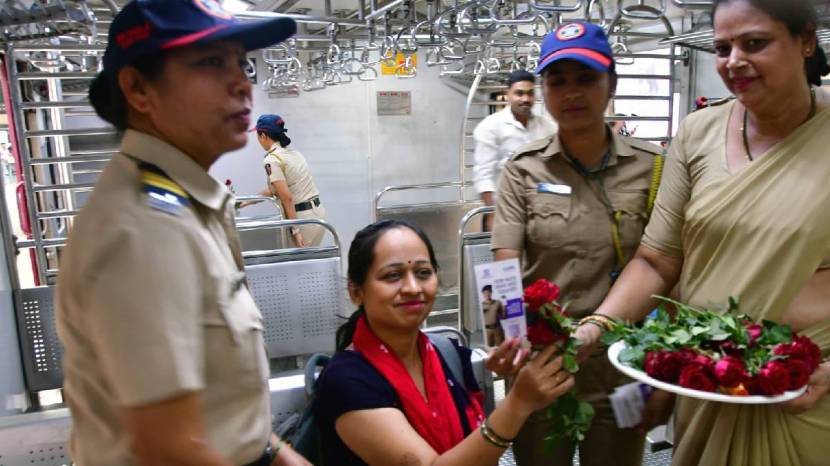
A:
(286, 164)
(566, 238)
(152, 303)
(493, 312)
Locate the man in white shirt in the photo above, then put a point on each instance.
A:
(501, 133)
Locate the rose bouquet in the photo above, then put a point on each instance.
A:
(720, 352)
(548, 323)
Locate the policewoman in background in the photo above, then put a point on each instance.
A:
(290, 180)
(573, 208)
(164, 357)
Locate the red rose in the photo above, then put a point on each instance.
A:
(703, 360)
(754, 331)
(753, 385)
(697, 377)
(799, 373)
(540, 293)
(539, 333)
(730, 371)
(664, 365)
(730, 348)
(773, 378)
(687, 354)
(801, 348)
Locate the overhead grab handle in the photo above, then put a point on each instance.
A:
(525, 17)
(433, 40)
(596, 6)
(642, 10)
(469, 16)
(556, 8)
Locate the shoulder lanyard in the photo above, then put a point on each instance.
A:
(593, 178)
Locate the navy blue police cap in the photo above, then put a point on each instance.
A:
(144, 27)
(270, 124)
(580, 41)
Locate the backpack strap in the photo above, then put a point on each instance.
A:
(315, 361)
(446, 348)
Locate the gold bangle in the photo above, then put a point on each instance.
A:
(495, 435)
(605, 316)
(593, 322)
(490, 438)
(603, 322)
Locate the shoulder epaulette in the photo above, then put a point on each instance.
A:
(162, 192)
(531, 148)
(277, 157)
(644, 146)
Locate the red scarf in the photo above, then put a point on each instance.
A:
(435, 419)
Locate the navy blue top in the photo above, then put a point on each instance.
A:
(350, 383)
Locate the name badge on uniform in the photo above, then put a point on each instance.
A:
(551, 188)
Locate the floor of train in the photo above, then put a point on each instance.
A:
(660, 458)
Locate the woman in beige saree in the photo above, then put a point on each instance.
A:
(744, 211)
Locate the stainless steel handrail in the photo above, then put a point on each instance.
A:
(449, 184)
(471, 95)
(690, 5)
(462, 227)
(271, 224)
(259, 198)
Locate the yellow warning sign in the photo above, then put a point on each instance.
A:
(400, 59)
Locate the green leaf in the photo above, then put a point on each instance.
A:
(586, 411)
(700, 330)
(631, 355)
(774, 333)
(609, 338)
(681, 336)
(570, 364)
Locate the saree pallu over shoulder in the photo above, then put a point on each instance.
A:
(759, 235)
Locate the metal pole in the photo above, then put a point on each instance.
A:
(26, 169)
(5, 221)
(301, 18)
(112, 6)
(672, 71)
(463, 156)
(376, 12)
(61, 146)
(361, 10)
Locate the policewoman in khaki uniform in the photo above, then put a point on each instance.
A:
(573, 208)
(493, 310)
(164, 357)
(290, 180)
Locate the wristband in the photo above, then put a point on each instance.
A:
(295, 231)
